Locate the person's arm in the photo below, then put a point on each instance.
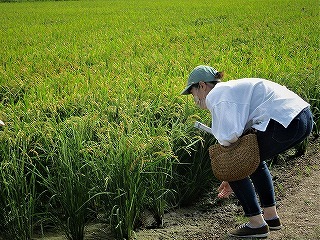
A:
(228, 121)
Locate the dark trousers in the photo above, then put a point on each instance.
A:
(276, 139)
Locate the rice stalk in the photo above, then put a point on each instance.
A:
(18, 195)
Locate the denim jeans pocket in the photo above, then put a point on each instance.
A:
(286, 135)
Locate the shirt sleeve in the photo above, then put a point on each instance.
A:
(228, 121)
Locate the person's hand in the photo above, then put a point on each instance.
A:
(224, 190)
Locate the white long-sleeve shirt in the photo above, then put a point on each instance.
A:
(241, 104)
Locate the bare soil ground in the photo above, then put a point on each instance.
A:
(297, 185)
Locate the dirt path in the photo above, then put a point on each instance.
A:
(300, 206)
(297, 183)
(300, 210)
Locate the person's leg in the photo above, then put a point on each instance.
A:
(262, 181)
(257, 226)
(246, 193)
(270, 213)
(276, 139)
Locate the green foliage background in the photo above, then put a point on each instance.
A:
(89, 92)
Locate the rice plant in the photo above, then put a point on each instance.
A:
(18, 193)
(69, 175)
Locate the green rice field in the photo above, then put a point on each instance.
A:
(90, 95)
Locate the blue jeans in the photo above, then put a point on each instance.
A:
(276, 139)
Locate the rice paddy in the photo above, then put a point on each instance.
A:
(90, 97)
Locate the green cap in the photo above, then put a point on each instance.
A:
(198, 74)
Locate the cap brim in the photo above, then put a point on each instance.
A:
(186, 91)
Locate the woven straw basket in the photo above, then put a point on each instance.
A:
(236, 161)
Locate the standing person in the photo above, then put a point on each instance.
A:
(280, 119)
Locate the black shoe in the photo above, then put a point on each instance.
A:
(274, 224)
(244, 231)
